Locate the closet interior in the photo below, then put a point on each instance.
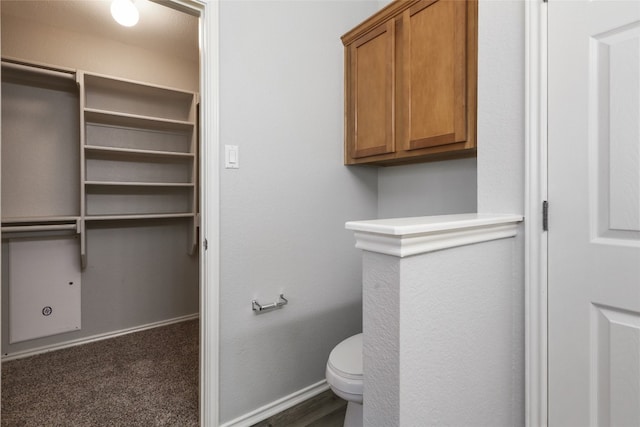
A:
(100, 182)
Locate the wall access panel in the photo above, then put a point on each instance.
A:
(44, 287)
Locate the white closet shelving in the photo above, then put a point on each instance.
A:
(40, 161)
(139, 152)
(127, 152)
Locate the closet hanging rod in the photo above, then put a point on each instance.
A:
(23, 228)
(38, 219)
(40, 70)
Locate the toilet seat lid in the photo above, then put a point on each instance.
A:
(346, 358)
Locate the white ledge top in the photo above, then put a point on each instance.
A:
(411, 236)
(427, 224)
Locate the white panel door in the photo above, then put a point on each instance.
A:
(594, 221)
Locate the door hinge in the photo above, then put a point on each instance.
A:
(205, 243)
(545, 216)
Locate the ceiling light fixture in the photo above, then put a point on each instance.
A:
(124, 12)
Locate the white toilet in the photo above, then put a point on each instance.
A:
(344, 375)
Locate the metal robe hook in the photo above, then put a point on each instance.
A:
(259, 308)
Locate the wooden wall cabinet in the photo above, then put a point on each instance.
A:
(410, 83)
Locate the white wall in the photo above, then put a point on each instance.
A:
(137, 272)
(283, 211)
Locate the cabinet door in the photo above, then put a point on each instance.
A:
(370, 93)
(434, 67)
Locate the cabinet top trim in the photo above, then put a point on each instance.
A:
(390, 11)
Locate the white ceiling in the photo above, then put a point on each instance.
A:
(160, 27)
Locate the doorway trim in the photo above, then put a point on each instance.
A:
(536, 302)
(208, 12)
(208, 36)
(210, 219)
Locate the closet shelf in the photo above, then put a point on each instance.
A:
(137, 216)
(102, 151)
(119, 85)
(38, 219)
(138, 184)
(139, 152)
(112, 118)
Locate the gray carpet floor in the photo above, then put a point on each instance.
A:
(147, 378)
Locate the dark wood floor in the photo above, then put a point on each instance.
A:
(323, 410)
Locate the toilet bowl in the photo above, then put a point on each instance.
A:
(344, 375)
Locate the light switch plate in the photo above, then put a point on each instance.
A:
(231, 157)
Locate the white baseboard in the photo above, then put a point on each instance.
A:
(278, 406)
(94, 338)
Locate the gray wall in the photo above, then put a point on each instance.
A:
(437, 345)
(38, 42)
(500, 177)
(435, 188)
(138, 272)
(422, 189)
(283, 211)
(501, 72)
(501, 159)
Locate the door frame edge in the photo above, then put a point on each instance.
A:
(209, 193)
(209, 238)
(536, 302)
